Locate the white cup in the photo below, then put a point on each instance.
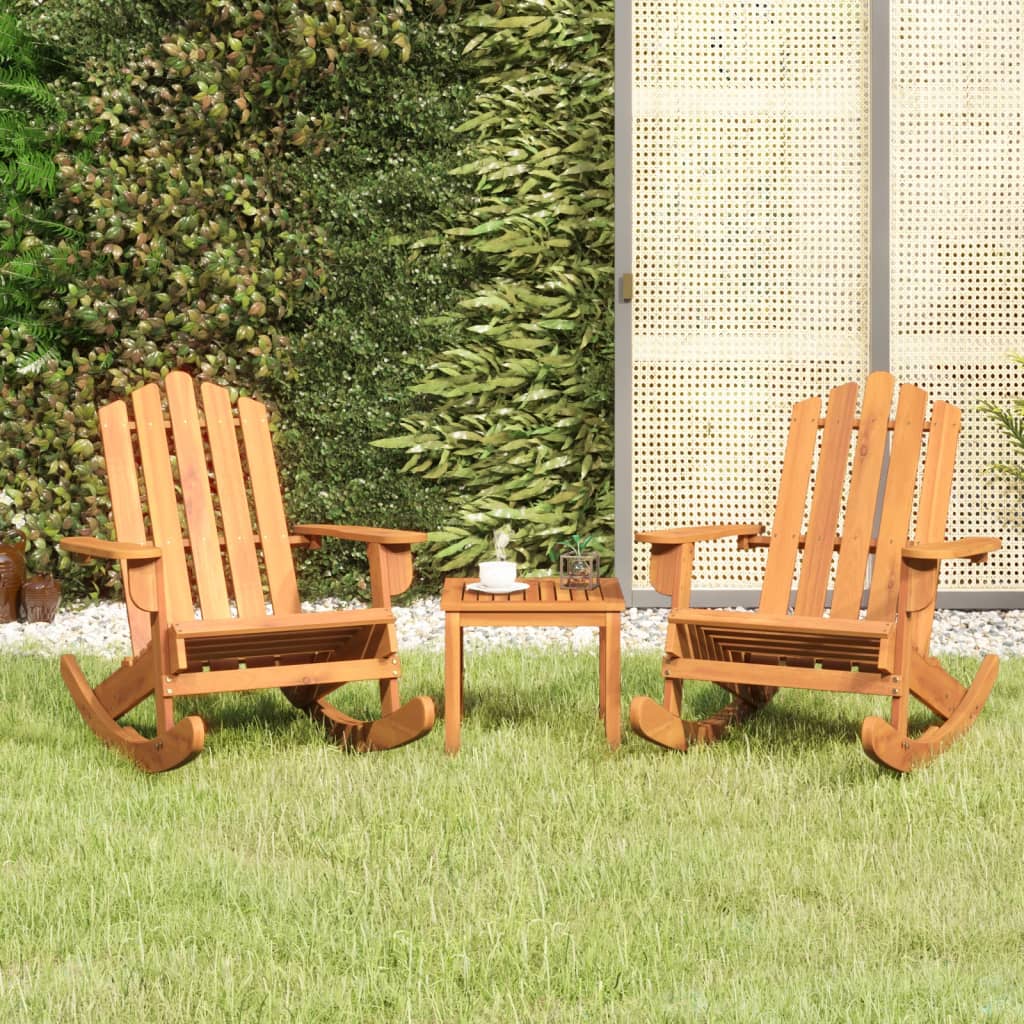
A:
(497, 574)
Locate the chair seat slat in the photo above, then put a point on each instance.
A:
(162, 500)
(125, 501)
(787, 526)
(897, 504)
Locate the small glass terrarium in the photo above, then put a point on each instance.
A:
(578, 567)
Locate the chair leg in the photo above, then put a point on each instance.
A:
(389, 700)
(889, 745)
(172, 748)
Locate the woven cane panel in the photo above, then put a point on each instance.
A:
(957, 244)
(708, 44)
(750, 240)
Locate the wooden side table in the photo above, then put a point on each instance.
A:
(543, 603)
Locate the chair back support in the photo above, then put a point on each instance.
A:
(200, 482)
(857, 516)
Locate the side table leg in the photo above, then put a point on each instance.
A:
(452, 682)
(609, 655)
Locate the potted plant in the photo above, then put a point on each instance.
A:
(579, 568)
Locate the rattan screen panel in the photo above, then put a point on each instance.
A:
(750, 249)
(957, 244)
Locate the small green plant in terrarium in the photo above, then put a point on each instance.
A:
(579, 568)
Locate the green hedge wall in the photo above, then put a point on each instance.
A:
(382, 182)
(518, 427)
(268, 209)
(198, 245)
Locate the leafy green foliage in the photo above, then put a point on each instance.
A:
(381, 180)
(1012, 423)
(518, 424)
(194, 245)
(51, 472)
(30, 242)
(197, 253)
(80, 31)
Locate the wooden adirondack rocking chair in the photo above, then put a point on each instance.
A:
(203, 546)
(878, 647)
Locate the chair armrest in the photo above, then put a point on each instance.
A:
(975, 548)
(692, 534)
(389, 553)
(672, 555)
(142, 582)
(362, 534)
(93, 547)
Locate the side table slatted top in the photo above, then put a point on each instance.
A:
(543, 603)
(544, 594)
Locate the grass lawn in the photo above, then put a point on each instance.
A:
(779, 876)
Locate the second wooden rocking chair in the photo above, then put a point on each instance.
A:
(210, 586)
(874, 636)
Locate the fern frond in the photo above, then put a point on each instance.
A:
(53, 227)
(16, 47)
(17, 85)
(31, 332)
(1013, 425)
(30, 172)
(1014, 472)
(29, 363)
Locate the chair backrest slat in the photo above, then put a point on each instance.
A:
(266, 494)
(787, 525)
(937, 480)
(125, 501)
(898, 501)
(162, 500)
(826, 502)
(194, 478)
(862, 503)
(236, 518)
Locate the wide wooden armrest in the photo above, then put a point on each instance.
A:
(389, 553)
(975, 548)
(672, 555)
(93, 547)
(363, 534)
(692, 534)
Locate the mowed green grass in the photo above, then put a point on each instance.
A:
(538, 876)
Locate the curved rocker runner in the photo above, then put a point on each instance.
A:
(214, 554)
(882, 572)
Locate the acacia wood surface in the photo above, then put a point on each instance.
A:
(202, 567)
(240, 537)
(867, 473)
(543, 603)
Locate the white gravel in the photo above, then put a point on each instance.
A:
(103, 629)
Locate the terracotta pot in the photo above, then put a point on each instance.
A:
(12, 562)
(9, 604)
(40, 597)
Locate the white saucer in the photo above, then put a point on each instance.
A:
(512, 588)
